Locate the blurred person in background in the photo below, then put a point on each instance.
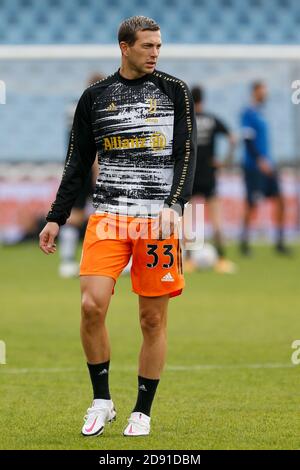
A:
(70, 233)
(209, 127)
(260, 173)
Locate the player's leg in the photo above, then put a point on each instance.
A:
(156, 275)
(68, 242)
(223, 265)
(272, 190)
(249, 211)
(279, 219)
(215, 218)
(96, 292)
(279, 207)
(153, 321)
(70, 233)
(103, 258)
(252, 180)
(189, 265)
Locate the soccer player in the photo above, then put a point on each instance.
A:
(141, 123)
(209, 127)
(70, 232)
(260, 175)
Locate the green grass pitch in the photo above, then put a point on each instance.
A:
(228, 384)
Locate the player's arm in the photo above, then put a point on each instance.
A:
(221, 128)
(232, 142)
(184, 151)
(95, 172)
(248, 135)
(80, 158)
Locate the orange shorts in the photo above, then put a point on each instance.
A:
(111, 240)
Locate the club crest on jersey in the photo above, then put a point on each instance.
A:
(152, 110)
(156, 141)
(153, 105)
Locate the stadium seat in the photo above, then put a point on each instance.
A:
(91, 21)
(88, 15)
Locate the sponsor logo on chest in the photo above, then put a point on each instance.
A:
(156, 141)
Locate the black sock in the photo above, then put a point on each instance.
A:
(147, 389)
(219, 244)
(99, 378)
(245, 235)
(220, 250)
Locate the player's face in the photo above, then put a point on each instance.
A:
(261, 94)
(143, 54)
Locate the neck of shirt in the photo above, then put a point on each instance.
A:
(133, 81)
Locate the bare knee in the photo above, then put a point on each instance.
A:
(152, 321)
(93, 310)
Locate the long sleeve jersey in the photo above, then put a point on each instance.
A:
(144, 134)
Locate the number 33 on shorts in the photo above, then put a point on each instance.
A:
(157, 267)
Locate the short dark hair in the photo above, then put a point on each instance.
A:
(129, 27)
(257, 84)
(197, 94)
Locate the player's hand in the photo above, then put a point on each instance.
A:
(265, 166)
(216, 165)
(167, 222)
(47, 237)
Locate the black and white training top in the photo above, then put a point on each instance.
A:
(144, 134)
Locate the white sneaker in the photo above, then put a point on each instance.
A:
(138, 425)
(100, 413)
(225, 266)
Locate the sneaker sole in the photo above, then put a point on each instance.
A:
(136, 435)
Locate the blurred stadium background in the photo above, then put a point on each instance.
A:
(48, 50)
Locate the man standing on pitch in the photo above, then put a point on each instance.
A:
(260, 173)
(141, 124)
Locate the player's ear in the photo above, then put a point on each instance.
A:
(124, 48)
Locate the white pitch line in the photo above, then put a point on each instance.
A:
(170, 368)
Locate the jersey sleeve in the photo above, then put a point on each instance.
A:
(80, 158)
(249, 133)
(184, 149)
(220, 127)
